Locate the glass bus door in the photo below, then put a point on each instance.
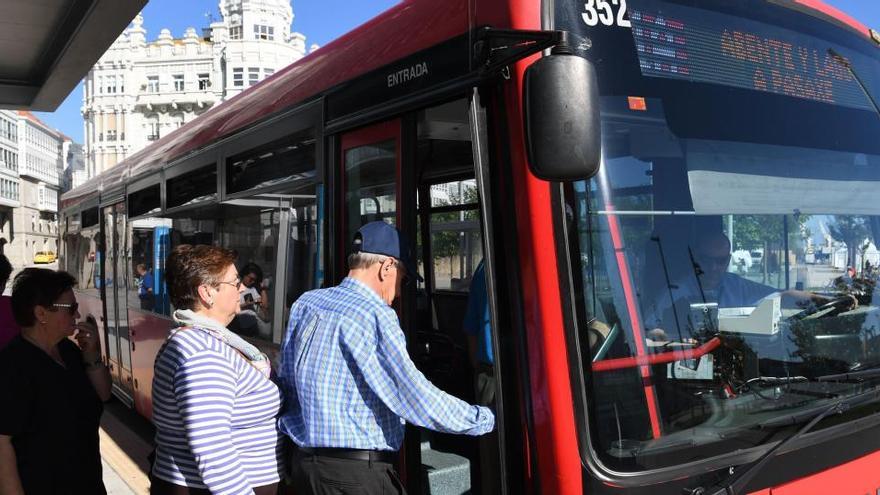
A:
(370, 168)
(116, 278)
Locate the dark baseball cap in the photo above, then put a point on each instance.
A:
(382, 238)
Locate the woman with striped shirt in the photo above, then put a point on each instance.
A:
(214, 405)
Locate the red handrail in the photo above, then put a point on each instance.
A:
(661, 358)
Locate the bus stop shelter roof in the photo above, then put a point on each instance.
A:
(48, 46)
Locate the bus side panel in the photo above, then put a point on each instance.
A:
(557, 455)
(90, 305)
(852, 478)
(148, 333)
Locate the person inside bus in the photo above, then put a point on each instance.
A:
(8, 328)
(349, 382)
(52, 391)
(254, 303)
(145, 286)
(231, 445)
(709, 281)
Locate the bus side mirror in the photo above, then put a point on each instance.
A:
(563, 133)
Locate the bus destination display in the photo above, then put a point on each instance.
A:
(703, 46)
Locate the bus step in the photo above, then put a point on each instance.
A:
(446, 473)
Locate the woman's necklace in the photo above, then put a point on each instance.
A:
(55, 358)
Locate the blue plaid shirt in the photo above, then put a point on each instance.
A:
(349, 382)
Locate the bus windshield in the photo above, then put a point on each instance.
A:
(729, 248)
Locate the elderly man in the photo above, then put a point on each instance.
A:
(349, 382)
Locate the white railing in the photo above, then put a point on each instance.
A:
(50, 177)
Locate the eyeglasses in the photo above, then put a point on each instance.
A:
(236, 284)
(71, 307)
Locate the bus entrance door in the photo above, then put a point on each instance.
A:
(116, 326)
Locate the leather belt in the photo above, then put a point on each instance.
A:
(352, 454)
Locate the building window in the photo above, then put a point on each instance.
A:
(264, 32)
(204, 82)
(253, 75)
(100, 85)
(268, 72)
(235, 32)
(178, 82)
(153, 84)
(111, 84)
(238, 77)
(111, 135)
(153, 134)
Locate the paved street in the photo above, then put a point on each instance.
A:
(126, 441)
(113, 483)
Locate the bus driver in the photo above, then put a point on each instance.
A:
(710, 282)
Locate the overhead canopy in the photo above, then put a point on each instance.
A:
(49, 46)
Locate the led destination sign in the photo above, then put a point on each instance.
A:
(703, 46)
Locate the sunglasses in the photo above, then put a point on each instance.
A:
(71, 307)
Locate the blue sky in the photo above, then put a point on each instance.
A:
(321, 21)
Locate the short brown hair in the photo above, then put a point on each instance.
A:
(190, 266)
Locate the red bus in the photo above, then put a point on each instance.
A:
(675, 201)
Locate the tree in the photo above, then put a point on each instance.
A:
(448, 241)
(852, 230)
(765, 232)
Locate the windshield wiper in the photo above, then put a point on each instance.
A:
(851, 376)
(736, 482)
(848, 65)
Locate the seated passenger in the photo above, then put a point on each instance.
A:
(254, 303)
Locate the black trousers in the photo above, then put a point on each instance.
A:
(162, 487)
(322, 475)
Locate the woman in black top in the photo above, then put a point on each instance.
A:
(52, 392)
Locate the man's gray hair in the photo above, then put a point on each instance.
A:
(360, 260)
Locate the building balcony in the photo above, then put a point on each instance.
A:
(168, 101)
(47, 200)
(51, 178)
(9, 168)
(9, 193)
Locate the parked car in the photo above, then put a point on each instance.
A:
(44, 257)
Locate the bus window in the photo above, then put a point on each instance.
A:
(456, 243)
(83, 250)
(303, 251)
(252, 231)
(370, 172)
(148, 241)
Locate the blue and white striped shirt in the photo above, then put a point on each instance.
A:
(215, 417)
(349, 381)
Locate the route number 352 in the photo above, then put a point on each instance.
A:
(596, 11)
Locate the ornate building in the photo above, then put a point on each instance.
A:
(139, 90)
